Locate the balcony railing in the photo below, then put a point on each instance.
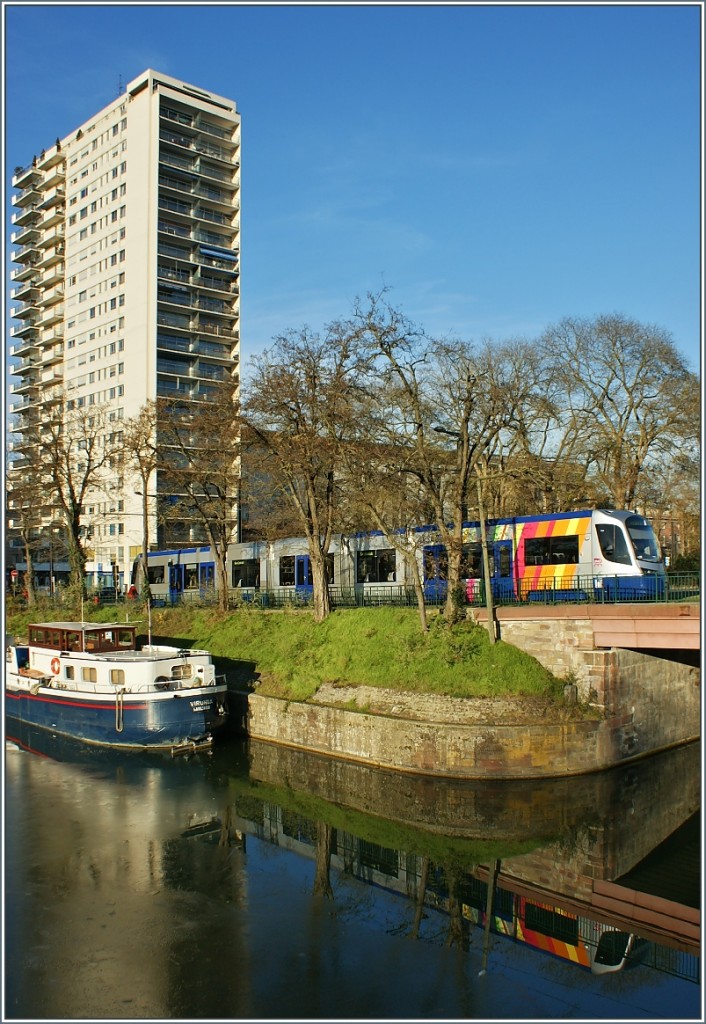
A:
(180, 230)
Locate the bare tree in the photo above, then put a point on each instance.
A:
(630, 398)
(76, 457)
(446, 406)
(300, 406)
(25, 499)
(141, 457)
(199, 445)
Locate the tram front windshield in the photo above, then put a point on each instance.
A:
(643, 539)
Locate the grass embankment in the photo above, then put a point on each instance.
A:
(291, 656)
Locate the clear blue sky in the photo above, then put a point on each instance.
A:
(498, 167)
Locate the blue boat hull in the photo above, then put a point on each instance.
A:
(183, 719)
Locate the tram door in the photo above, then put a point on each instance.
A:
(303, 580)
(501, 570)
(176, 582)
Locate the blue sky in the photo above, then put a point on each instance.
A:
(497, 167)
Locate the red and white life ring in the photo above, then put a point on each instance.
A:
(55, 666)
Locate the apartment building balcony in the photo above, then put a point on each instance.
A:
(52, 295)
(51, 157)
(220, 241)
(24, 347)
(218, 330)
(210, 282)
(52, 256)
(218, 307)
(54, 197)
(28, 329)
(25, 176)
(206, 170)
(27, 310)
(178, 274)
(52, 316)
(175, 321)
(176, 252)
(26, 235)
(209, 128)
(55, 176)
(27, 386)
(52, 355)
(53, 274)
(223, 198)
(53, 236)
(173, 228)
(27, 254)
(56, 334)
(179, 207)
(26, 289)
(54, 215)
(52, 377)
(168, 159)
(30, 214)
(26, 272)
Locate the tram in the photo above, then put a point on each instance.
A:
(573, 556)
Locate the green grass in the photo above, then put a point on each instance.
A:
(292, 656)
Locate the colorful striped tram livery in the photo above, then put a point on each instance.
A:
(566, 556)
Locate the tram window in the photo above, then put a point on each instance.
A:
(286, 571)
(436, 564)
(245, 572)
(551, 922)
(376, 566)
(505, 563)
(613, 544)
(155, 573)
(191, 576)
(471, 562)
(551, 550)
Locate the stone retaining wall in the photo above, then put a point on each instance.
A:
(641, 704)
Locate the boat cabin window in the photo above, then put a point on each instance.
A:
(73, 641)
(69, 672)
(89, 674)
(117, 676)
(125, 638)
(181, 671)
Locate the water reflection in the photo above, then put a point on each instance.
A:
(262, 882)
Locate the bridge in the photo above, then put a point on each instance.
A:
(637, 627)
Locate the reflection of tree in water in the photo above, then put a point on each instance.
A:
(322, 878)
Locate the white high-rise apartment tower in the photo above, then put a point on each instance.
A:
(127, 244)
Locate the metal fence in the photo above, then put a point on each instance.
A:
(684, 587)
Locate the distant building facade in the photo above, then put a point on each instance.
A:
(126, 241)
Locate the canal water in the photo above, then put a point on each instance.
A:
(256, 882)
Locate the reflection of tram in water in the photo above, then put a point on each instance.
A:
(594, 554)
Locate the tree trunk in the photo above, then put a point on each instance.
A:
(221, 570)
(322, 597)
(29, 577)
(322, 879)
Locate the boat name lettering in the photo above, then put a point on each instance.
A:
(200, 705)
